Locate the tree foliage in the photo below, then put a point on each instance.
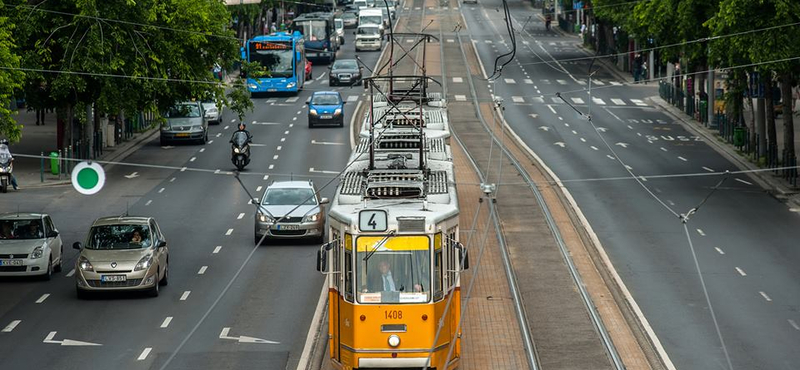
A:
(10, 79)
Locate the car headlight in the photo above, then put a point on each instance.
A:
(84, 264)
(212, 111)
(290, 85)
(144, 263)
(337, 112)
(236, 150)
(326, 49)
(312, 111)
(252, 86)
(264, 218)
(37, 253)
(311, 218)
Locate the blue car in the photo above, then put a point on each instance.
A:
(325, 108)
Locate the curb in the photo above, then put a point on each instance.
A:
(771, 185)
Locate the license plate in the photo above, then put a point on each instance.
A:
(272, 90)
(10, 262)
(326, 116)
(183, 134)
(287, 227)
(112, 278)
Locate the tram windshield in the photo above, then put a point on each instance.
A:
(394, 269)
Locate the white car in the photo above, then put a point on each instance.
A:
(29, 245)
(369, 37)
(212, 113)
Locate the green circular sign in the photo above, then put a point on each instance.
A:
(88, 178)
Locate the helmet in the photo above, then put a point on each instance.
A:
(242, 126)
(3, 141)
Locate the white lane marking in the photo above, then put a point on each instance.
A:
(265, 177)
(211, 141)
(598, 101)
(610, 157)
(229, 232)
(551, 108)
(217, 171)
(487, 41)
(299, 112)
(202, 150)
(451, 40)
(294, 118)
(743, 182)
(10, 327)
(66, 342)
(594, 147)
(630, 127)
(708, 169)
(202, 270)
(556, 100)
(279, 147)
(275, 157)
(325, 142)
(226, 127)
(42, 298)
(217, 249)
(185, 295)
(149, 202)
(352, 98)
(517, 99)
(233, 120)
(144, 354)
(598, 82)
(719, 250)
(321, 171)
(271, 166)
(259, 188)
(70, 273)
(683, 159)
(321, 76)
(766, 297)
(740, 271)
(291, 125)
(544, 128)
(161, 190)
(172, 180)
(700, 231)
(219, 134)
(642, 178)
(559, 143)
(582, 82)
(663, 149)
(286, 132)
(510, 81)
(528, 81)
(560, 118)
(166, 322)
(639, 102)
(574, 132)
(241, 216)
(624, 145)
(615, 83)
(183, 169)
(283, 139)
(794, 324)
(461, 98)
(618, 101)
(561, 82)
(583, 140)
(245, 339)
(538, 99)
(292, 99)
(458, 80)
(577, 100)
(257, 145)
(669, 201)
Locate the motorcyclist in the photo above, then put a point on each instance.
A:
(6, 153)
(242, 127)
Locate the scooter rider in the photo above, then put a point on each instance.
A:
(6, 153)
(242, 127)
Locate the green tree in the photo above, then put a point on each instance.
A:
(11, 79)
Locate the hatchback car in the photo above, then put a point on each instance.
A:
(290, 209)
(213, 115)
(184, 122)
(350, 19)
(344, 72)
(325, 108)
(29, 245)
(122, 253)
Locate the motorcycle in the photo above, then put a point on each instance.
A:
(6, 167)
(240, 150)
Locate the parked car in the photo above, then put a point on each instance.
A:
(344, 72)
(290, 209)
(325, 108)
(184, 122)
(212, 113)
(30, 245)
(122, 253)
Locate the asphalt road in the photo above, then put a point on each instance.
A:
(218, 279)
(745, 240)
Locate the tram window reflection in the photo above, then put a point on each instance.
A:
(394, 277)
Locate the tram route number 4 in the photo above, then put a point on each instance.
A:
(372, 220)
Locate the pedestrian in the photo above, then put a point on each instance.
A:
(645, 76)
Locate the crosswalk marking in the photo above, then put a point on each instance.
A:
(598, 82)
(525, 42)
(552, 44)
(538, 99)
(598, 101)
(581, 82)
(639, 102)
(292, 100)
(458, 79)
(488, 41)
(517, 99)
(561, 82)
(529, 81)
(451, 40)
(577, 100)
(352, 98)
(546, 82)
(615, 83)
(510, 81)
(556, 100)
(618, 101)
(461, 98)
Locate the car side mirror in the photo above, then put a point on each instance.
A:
(52, 234)
(77, 245)
(255, 201)
(161, 244)
(354, 32)
(324, 201)
(308, 102)
(330, 67)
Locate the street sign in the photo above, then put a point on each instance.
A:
(88, 178)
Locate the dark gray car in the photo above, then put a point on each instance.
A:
(345, 72)
(185, 122)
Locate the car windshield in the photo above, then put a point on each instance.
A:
(114, 237)
(345, 64)
(393, 270)
(239, 138)
(369, 31)
(184, 111)
(348, 15)
(289, 197)
(275, 57)
(371, 19)
(325, 99)
(312, 30)
(21, 229)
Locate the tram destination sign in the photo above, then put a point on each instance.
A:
(372, 220)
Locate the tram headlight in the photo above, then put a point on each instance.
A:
(394, 340)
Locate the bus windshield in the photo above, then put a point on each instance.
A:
(313, 30)
(393, 270)
(276, 58)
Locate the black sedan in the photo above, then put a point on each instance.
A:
(345, 72)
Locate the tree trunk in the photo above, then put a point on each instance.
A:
(772, 136)
(788, 123)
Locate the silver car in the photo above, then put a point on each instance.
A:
(184, 122)
(213, 115)
(122, 253)
(290, 209)
(29, 245)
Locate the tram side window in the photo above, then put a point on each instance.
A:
(337, 250)
(451, 258)
(348, 275)
(438, 275)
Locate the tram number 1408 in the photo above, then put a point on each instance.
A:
(393, 314)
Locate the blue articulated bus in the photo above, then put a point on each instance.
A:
(319, 32)
(283, 58)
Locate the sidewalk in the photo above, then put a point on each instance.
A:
(38, 140)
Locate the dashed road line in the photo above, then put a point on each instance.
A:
(265, 177)
(229, 232)
(166, 322)
(144, 354)
(241, 216)
(42, 298)
(161, 190)
(719, 250)
(740, 271)
(663, 149)
(683, 159)
(551, 108)
(185, 295)
(10, 327)
(259, 188)
(149, 202)
(743, 181)
(202, 270)
(517, 99)
(70, 273)
(172, 180)
(708, 169)
(594, 147)
(271, 166)
(766, 297)
(794, 324)
(701, 232)
(274, 157)
(217, 249)
(610, 157)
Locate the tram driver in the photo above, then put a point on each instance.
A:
(386, 282)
